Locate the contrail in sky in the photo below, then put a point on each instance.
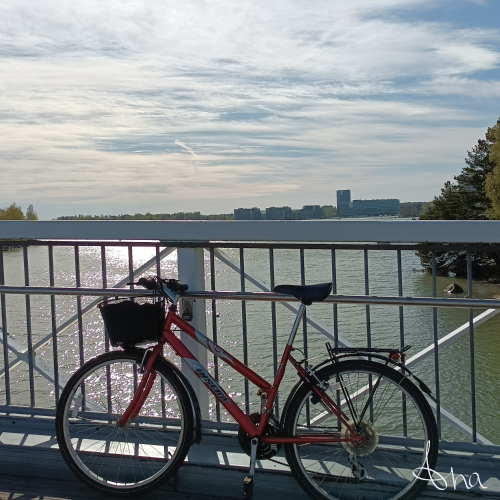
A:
(187, 148)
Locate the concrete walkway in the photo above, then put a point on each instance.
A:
(31, 467)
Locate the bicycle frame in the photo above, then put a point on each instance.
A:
(169, 337)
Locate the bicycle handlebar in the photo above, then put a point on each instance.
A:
(156, 283)
(149, 283)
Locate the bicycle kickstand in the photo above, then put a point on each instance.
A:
(248, 481)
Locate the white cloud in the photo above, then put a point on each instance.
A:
(332, 39)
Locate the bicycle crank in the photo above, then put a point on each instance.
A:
(264, 450)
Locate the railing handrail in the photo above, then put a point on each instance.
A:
(401, 231)
(422, 247)
(259, 296)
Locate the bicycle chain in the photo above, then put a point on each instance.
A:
(310, 471)
(316, 473)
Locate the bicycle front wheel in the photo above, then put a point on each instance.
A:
(388, 410)
(123, 460)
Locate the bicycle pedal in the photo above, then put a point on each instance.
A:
(248, 487)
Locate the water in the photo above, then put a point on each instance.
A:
(454, 360)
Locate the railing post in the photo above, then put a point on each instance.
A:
(192, 273)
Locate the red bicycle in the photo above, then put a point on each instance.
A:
(355, 426)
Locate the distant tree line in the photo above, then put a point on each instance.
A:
(411, 209)
(474, 195)
(15, 212)
(150, 216)
(329, 211)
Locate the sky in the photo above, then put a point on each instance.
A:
(163, 106)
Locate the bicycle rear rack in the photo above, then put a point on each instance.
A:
(360, 351)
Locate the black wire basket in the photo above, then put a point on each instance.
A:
(130, 322)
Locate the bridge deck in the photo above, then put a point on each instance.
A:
(32, 467)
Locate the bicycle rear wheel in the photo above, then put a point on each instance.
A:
(397, 424)
(134, 458)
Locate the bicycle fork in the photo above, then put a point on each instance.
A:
(144, 388)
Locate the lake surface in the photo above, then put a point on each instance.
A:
(454, 359)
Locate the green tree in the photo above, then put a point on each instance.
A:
(31, 214)
(493, 178)
(13, 212)
(410, 209)
(329, 211)
(466, 199)
(451, 204)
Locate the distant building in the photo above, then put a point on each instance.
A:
(278, 213)
(344, 206)
(364, 208)
(247, 214)
(311, 212)
(370, 208)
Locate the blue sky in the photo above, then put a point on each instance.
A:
(164, 106)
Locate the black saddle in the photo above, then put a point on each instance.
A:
(306, 293)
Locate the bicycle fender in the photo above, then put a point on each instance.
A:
(168, 365)
(404, 369)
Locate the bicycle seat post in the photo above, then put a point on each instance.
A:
(295, 327)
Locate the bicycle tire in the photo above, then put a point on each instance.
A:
(396, 438)
(143, 454)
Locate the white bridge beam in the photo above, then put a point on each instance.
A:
(330, 231)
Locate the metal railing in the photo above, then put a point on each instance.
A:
(26, 350)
